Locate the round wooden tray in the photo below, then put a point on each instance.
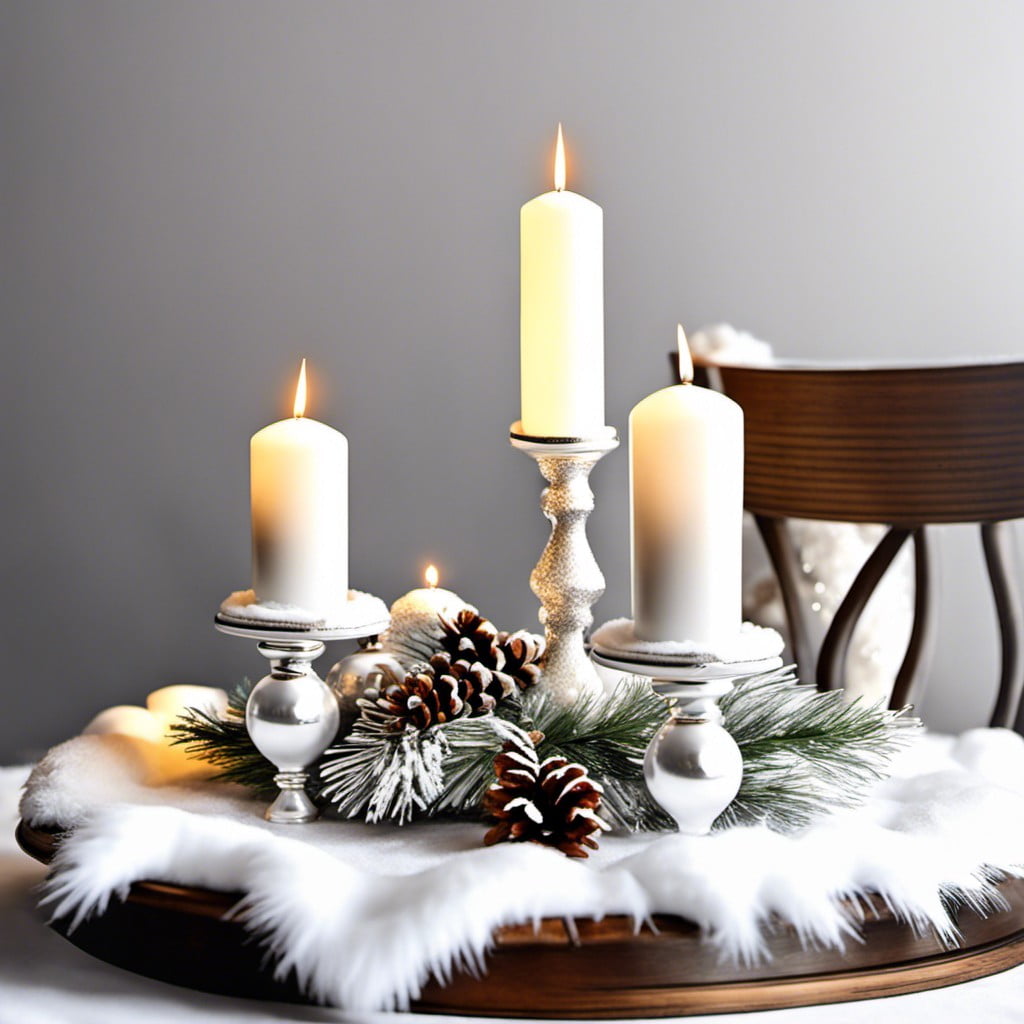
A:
(587, 970)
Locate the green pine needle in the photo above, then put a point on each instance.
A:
(607, 735)
(804, 753)
(225, 743)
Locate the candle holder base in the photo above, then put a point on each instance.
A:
(292, 715)
(567, 579)
(693, 767)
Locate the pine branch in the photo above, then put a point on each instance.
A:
(473, 744)
(609, 737)
(381, 775)
(225, 743)
(804, 752)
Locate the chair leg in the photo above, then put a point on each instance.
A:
(997, 540)
(915, 661)
(779, 546)
(832, 656)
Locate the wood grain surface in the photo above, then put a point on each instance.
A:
(601, 970)
(904, 446)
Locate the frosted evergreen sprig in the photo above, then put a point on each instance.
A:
(804, 753)
(225, 743)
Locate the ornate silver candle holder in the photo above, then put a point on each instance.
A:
(693, 767)
(292, 715)
(567, 579)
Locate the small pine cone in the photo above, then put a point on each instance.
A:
(522, 654)
(419, 700)
(553, 803)
(468, 636)
(470, 684)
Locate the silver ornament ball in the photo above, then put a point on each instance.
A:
(693, 769)
(362, 670)
(292, 717)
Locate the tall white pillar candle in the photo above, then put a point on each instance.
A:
(686, 469)
(562, 312)
(299, 483)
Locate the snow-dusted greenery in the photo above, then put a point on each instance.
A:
(804, 753)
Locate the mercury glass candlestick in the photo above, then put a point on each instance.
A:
(292, 714)
(567, 579)
(292, 717)
(693, 767)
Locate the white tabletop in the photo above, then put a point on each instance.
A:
(46, 980)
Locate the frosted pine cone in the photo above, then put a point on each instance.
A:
(430, 695)
(473, 683)
(554, 803)
(522, 652)
(467, 635)
(512, 657)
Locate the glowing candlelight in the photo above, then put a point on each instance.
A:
(299, 408)
(560, 161)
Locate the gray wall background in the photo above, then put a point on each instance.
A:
(196, 194)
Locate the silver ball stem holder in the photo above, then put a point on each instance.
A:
(693, 767)
(567, 579)
(292, 715)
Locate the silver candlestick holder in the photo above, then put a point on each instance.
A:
(693, 767)
(292, 715)
(567, 579)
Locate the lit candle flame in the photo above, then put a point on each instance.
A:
(559, 161)
(685, 359)
(432, 576)
(300, 393)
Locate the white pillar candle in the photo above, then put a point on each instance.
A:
(562, 312)
(299, 482)
(686, 468)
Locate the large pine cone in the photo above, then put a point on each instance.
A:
(554, 803)
(511, 657)
(430, 695)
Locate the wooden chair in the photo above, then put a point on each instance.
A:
(908, 447)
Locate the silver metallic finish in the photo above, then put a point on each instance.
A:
(567, 579)
(693, 767)
(292, 717)
(361, 670)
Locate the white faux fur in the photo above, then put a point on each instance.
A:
(242, 607)
(751, 643)
(366, 915)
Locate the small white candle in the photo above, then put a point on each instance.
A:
(299, 481)
(686, 469)
(415, 629)
(149, 728)
(562, 312)
(420, 607)
(173, 701)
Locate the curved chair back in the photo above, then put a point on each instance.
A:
(908, 447)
